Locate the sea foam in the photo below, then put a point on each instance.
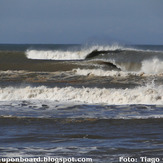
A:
(140, 95)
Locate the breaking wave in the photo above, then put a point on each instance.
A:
(145, 68)
(153, 66)
(55, 55)
(141, 95)
(148, 66)
(123, 58)
(100, 72)
(70, 54)
(86, 52)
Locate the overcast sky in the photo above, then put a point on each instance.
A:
(81, 21)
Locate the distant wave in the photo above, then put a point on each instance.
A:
(125, 58)
(84, 53)
(141, 95)
(55, 55)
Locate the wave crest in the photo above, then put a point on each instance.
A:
(69, 54)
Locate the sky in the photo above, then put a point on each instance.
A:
(81, 21)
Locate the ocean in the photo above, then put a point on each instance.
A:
(103, 103)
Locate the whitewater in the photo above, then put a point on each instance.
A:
(141, 95)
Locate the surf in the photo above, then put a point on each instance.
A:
(149, 94)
